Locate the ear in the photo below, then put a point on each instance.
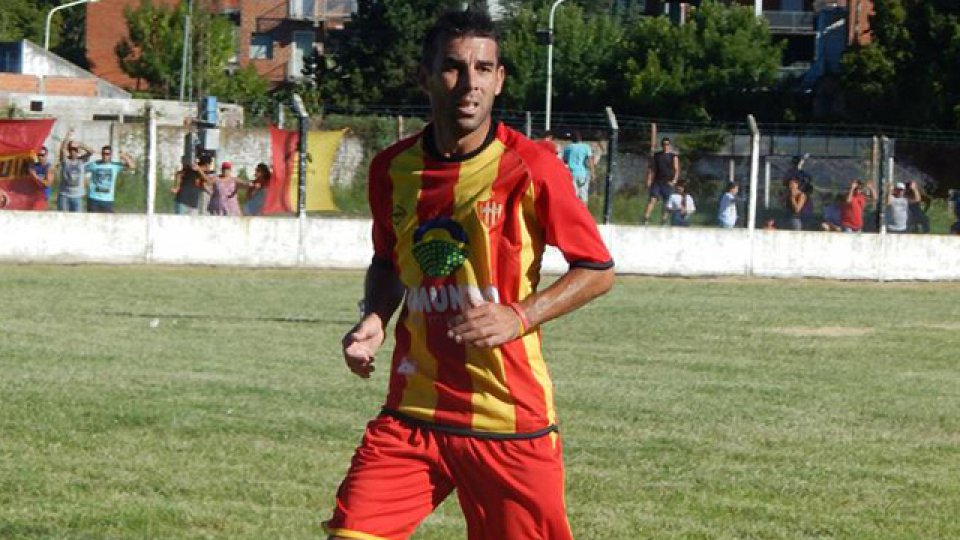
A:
(501, 76)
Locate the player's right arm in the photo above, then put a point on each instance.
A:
(383, 293)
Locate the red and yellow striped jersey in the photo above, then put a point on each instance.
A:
(473, 228)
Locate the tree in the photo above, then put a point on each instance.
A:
(24, 19)
(380, 54)
(153, 52)
(716, 65)
(585, 46)
(908, 73)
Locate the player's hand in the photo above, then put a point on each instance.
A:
(484, 324)
(361, 343)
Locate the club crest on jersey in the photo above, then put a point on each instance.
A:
(440, 246)
(490, 212)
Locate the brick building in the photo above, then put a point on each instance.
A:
(271, 35)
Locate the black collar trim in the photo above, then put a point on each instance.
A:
(430, 145)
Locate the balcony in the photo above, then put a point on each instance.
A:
(320, 10)
(791, 22)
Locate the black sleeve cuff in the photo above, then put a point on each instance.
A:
(592, 265)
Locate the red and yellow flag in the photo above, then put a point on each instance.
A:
(19, 141)
(283, 190)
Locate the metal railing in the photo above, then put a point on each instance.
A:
(794, 22)
(320, 9)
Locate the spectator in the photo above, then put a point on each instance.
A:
(103, 180)
(257, 190)
(577, 155)
(953, 199)
(549, 144)
(208, 172)
(898, 208)
(223, 193)
(662, 174)
(851, 212)
(832, 215)
(802, 176)
(72, 161)
(919, 203)
(680, 206)
(188, 185)
(727, 211)
(795, 201)
(41, 170)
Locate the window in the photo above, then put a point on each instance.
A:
(302, 45)
(301, 9)
(261, 47)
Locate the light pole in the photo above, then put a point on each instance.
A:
(46, 32)
(553, 11)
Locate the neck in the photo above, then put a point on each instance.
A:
(450, 142)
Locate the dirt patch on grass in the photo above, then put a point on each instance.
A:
(824, 331)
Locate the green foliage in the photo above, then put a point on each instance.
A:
(153, 53)
(154, 48)
(585, 46)
(524, 60)
(714, 65)
(380, 53)
(585, 57)
(24, 19)
(908, 74)
(245, 87)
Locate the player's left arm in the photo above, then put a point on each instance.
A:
(567, 225)
(676, 169)
(489, 324)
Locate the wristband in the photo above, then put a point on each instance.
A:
(521, 317)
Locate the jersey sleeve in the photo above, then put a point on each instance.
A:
(566, 222)
(379, 193)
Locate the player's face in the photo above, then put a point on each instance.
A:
(462, 83)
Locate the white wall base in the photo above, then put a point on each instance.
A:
(56, 237)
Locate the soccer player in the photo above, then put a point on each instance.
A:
(461, 214)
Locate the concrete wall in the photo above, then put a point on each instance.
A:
(77, 109)
(243, 147)
(53, 237)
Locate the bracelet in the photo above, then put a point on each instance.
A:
(521, 317)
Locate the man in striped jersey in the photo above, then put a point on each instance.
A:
(461, 214)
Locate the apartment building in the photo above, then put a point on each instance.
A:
(270, 35)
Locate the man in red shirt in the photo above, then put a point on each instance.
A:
(461, 214)
(851, 211)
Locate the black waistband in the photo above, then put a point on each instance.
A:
(464, 432)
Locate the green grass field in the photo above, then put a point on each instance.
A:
(693, 409)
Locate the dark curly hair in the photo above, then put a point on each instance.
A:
(457, 24)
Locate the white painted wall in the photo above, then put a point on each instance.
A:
(54, 237)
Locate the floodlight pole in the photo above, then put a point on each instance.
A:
(46, 32)
(186, 49)
(549, 100)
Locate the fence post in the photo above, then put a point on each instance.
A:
(528, 124)
(150, 164)
(754, 171)
(614, 130)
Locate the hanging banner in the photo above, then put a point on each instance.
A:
(283, 191)
(19, 142)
